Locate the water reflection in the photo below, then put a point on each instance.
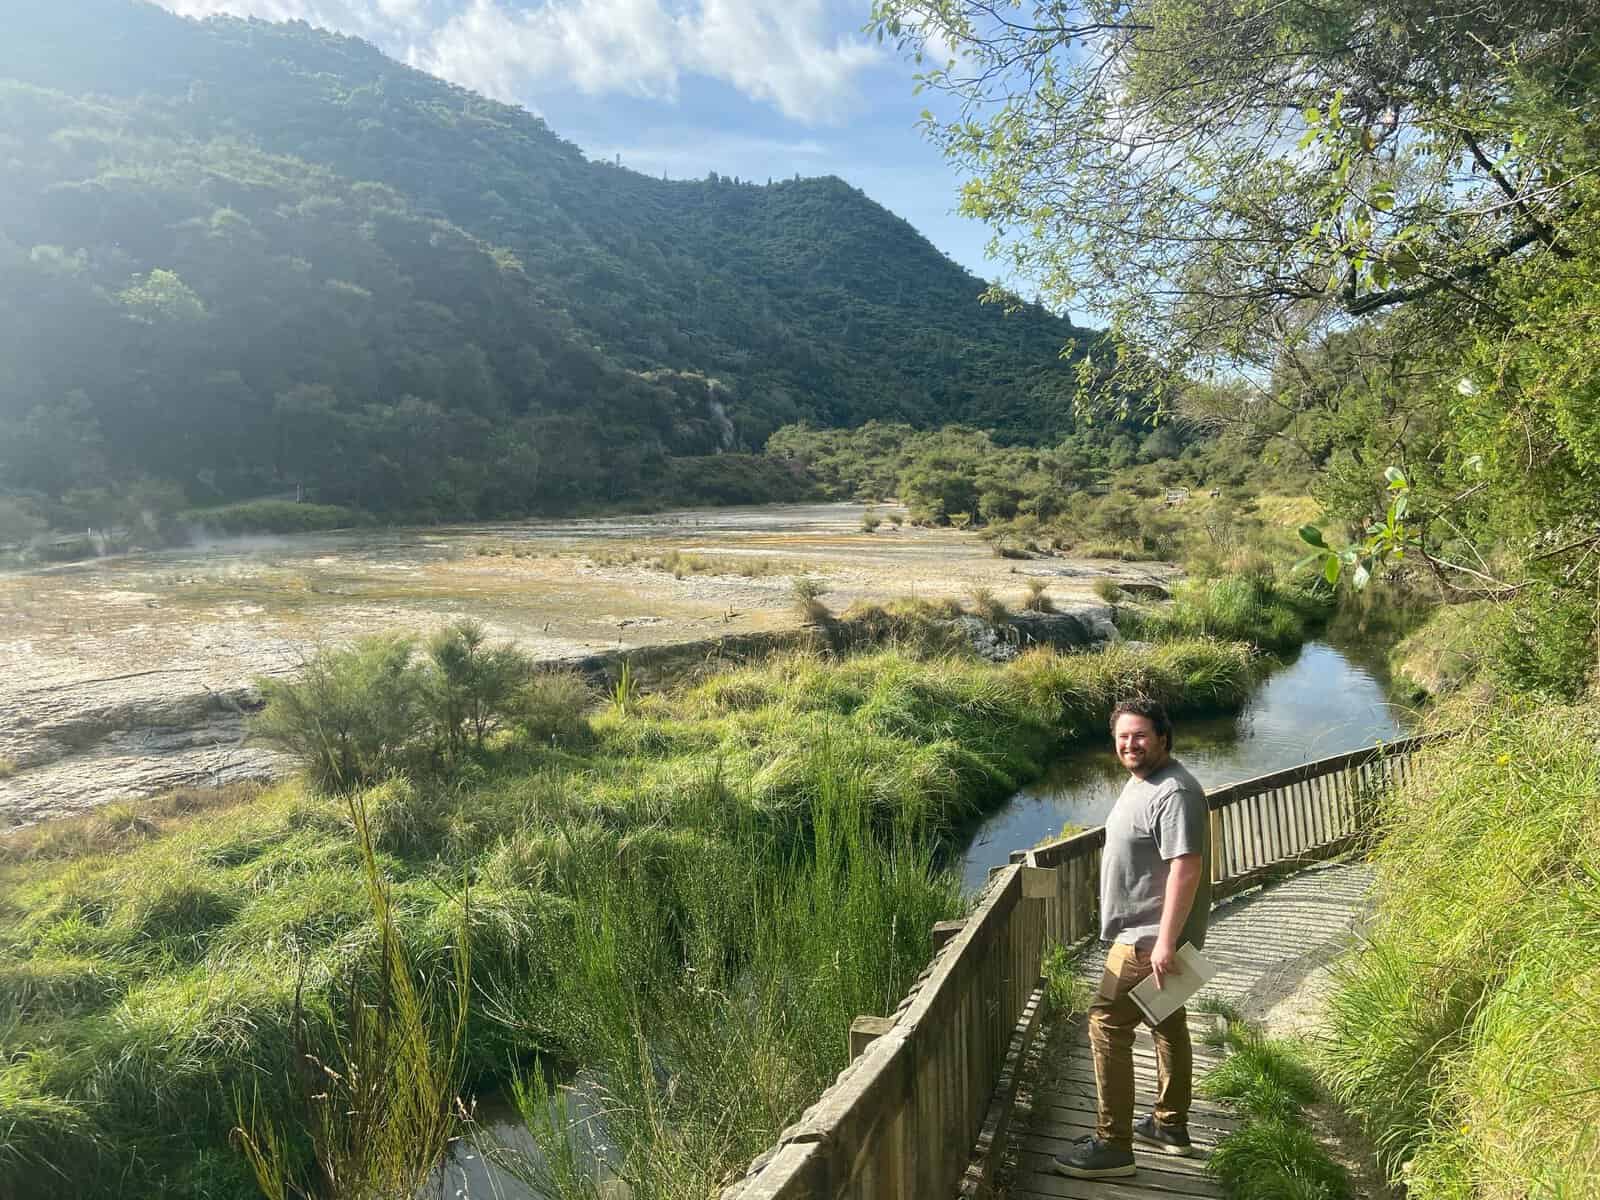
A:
(1322, 703)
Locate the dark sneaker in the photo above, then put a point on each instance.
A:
(1090, 1158)
(1169, 1139)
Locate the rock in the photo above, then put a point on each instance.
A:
(992, 642)
(1144, 589)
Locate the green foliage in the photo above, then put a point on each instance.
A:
(1274, 1155)
(551, 707)
(808, 592)
(351, 714)
(1066, 992)
(987, 605)
(1543, 641)
(1352, 187)
(718, 880)
(1108, 590)
(625, 692)
(1255, 607)
(957, 475)
(271, 516)
(1461, 1031)
(1038, 597)
(1275, 1159)
(1262, 1077)
(469, 684)
(418, 302)
(382, 1117)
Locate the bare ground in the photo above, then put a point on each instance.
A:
(129, 675)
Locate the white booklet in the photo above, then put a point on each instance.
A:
(1194, 972)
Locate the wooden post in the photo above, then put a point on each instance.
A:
(1038, 883)
(1218, 866)
(864, 1031)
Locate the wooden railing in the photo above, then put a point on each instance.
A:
(929, 1088)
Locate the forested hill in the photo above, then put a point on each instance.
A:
(237, 257)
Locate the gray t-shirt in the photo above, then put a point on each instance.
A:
(1155, 819)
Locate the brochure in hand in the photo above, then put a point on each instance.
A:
(1157, 1004)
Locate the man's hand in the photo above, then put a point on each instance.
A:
(1183, 880)
(1164, 961)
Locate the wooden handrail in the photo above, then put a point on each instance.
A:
(939, 1075)
(1234, 792)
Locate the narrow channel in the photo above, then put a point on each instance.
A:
(1322, 702)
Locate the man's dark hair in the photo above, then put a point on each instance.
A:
(1151, 710)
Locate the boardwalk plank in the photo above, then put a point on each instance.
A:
(1259, 939)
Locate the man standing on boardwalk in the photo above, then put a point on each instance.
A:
(1155, 895)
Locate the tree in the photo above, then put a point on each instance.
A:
(1222, 179)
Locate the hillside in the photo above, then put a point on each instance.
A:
(238, 257)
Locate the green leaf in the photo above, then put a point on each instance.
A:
(1312, 536)
(1330, 568)
(1395, 476)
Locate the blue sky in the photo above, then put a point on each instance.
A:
(753, 88)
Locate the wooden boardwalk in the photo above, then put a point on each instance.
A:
(1265, 942)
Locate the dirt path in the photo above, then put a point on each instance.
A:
(129, 675)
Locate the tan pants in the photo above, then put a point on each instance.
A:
(1113, 1017)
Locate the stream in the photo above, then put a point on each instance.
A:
(1324, 701)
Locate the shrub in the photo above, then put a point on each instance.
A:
(1107, 589)
(1274, 1156)
(870, 521)
(402, 817)
(550, 707)
(351, 715)
(1248, 608)
(1543, 641)
(987, 605)
(808, 592)
(1276, 1159)
(469, 685)
(1037, 600)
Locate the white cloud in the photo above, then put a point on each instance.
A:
(376, 20)
(780, 51)
(801, 56)
(598, 45)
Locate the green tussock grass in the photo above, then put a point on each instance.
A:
(1250, 606)
(1463, 1034)
(1274, 1155)
(723, 874)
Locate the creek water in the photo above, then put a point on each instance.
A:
(1329, 698)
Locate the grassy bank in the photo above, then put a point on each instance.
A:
(1251, 605)
(1464, 1033)
(689, 894)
